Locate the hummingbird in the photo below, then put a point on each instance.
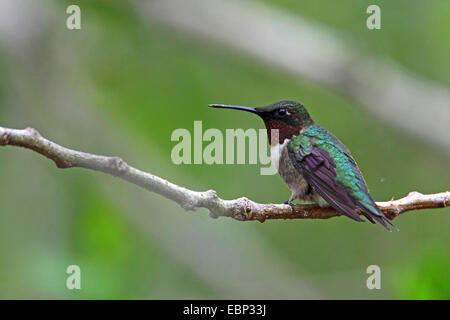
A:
(314, 164)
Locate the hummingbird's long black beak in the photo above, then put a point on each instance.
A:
(224, 106)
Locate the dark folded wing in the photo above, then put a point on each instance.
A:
(318, 169)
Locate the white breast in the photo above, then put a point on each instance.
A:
(275, 152)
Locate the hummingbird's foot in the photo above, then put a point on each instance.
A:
(290, 204)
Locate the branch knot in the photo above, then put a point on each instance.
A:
(33, 132)
(118, 164)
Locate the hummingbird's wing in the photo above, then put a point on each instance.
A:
(330, 169)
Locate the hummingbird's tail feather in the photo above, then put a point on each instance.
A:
(375, 214)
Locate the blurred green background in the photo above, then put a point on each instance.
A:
(123, 83)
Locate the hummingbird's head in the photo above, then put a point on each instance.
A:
(289, 117)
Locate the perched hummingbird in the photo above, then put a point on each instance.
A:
(314, 164)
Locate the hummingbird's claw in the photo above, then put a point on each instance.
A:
(290, 204)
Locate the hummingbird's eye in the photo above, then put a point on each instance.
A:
(281, 111)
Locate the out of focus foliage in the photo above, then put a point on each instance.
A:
(413, 33)
(426, 276)
(122, 84)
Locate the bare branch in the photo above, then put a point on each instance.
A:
(241, 209)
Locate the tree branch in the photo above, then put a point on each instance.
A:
(241, 209)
